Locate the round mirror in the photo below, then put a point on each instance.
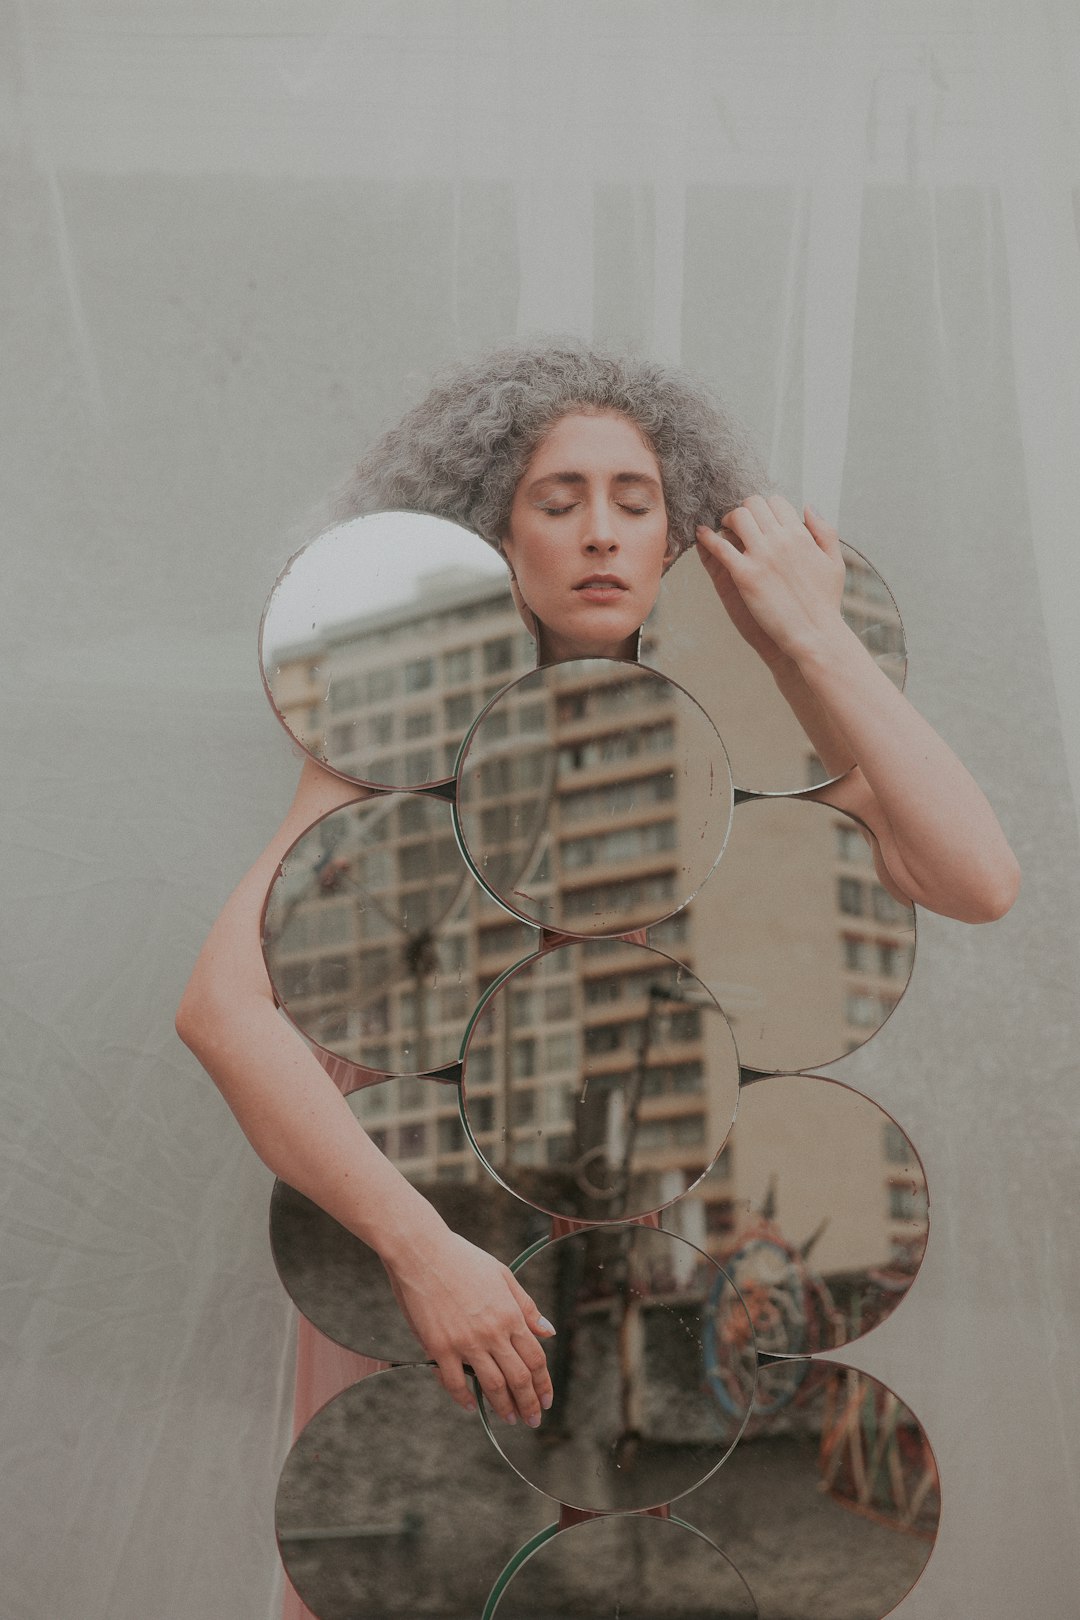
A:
(382, 640)
(363, 952)
(690, 638)
(817, 1210)
(633, 1424)
(340, 1284)
(830, 1505)
(615, 782)
(393, 1503)
(796, 938)
(621, 1567)
(609, 1064)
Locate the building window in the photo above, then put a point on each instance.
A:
(523, 1106)
(481, 1065)
(560, 1052)
(851, 897)
(851, 845)
(523, 1059)
(419, 674)
(481, 1111)
(414, 862)
(558, 1001)
(333, 974)
(451, 1136)
(460, 710)
(897, 1146)
(559, 1103)
(414, 816)
(865, 1012)
(381, 683)
(420, 724)
(420, 765)
(412, 1092)
(690, 1129)
(894, 961)
(907, 1201)
(856, 953)
(346, 694)
(673, 931)
(498, 655)
(501, 939)
(686, 1077)
(887, 909)
(497, 824)
(413, 1140)
(457, 666)
(719, 1217)
(455, 1003)
(603, 1038)
(685, 1025)
(375, 1017)
(522, 1005)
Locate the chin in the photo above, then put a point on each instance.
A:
(604, 642)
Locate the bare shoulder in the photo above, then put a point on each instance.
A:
(317, 793)
(230, 962)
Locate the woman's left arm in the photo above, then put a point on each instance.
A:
(937, 841)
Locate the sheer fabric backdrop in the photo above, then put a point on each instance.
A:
(240, 239)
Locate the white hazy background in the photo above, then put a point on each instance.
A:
(239, 237)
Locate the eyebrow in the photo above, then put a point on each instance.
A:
(578, 479)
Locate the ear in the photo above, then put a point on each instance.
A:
(525, 612)
(507, 556)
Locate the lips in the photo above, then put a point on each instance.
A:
(601, 582)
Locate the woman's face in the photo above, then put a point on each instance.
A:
(588, 536)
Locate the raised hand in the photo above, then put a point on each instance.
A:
(467, 1308)
(780, 577)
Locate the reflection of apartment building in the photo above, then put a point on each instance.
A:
(403, 687)
(871, 612)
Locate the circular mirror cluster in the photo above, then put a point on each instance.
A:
(570, 956)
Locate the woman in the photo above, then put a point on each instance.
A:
(592, 474)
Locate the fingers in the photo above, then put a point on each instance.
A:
(532, 1356)
(526, 1346)
(508, 1384)
(529, 1309)
(719, 549)
(782, 509)
(451, 1375)
(824, 533)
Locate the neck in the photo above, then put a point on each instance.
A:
(555, 649)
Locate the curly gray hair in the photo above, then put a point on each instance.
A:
(461, 451)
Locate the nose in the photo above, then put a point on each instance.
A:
(600, 536)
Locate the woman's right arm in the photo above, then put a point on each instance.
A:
(463, 1305)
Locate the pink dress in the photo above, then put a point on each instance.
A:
(323, 1368)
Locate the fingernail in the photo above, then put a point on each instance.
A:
(534, 1421)
(470, 1406)
(545, 1402)
(545, 1326)
(511, 1419)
